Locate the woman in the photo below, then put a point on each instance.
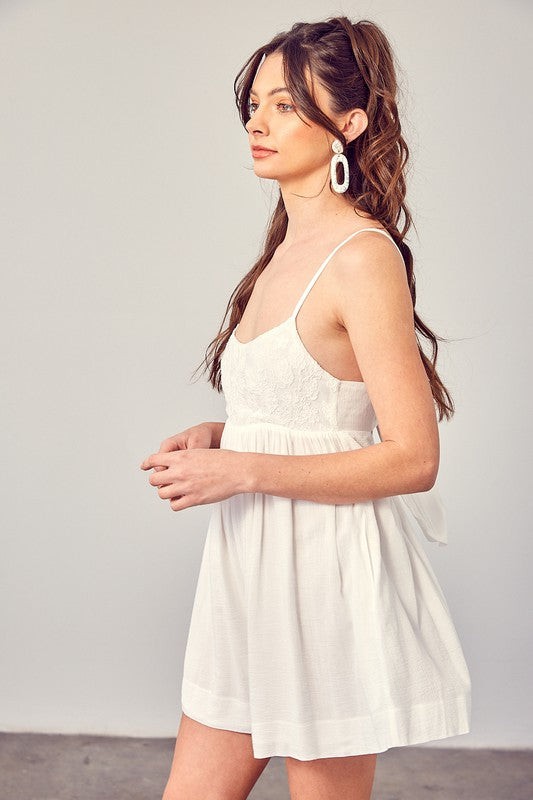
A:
(319, 631)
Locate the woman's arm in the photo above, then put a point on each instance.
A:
(216, 430)
(378, 470)
(375, 307)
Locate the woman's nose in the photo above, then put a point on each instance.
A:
(256, 123)
(253, 126)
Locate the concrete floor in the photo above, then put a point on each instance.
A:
(54, 767)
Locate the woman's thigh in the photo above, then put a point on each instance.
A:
(343, 778)
(212, 764)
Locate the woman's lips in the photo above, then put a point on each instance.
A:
(262, 153)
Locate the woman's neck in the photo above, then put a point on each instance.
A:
(310, 217)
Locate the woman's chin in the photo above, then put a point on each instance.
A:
(263, 172)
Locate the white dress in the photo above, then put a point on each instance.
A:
(320, 629)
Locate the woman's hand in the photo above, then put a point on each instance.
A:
(196, 436)
(196, 475)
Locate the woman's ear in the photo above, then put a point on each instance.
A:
(355, 123)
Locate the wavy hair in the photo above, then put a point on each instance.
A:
(356, 65)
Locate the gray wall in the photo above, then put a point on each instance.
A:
(130, 210)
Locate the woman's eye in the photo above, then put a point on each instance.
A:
(253, 106)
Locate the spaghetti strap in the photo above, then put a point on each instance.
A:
(324, 263)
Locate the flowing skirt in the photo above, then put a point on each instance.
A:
(321, 629)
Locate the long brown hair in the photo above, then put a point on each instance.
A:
(355, 63)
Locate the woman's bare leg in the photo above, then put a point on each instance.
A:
(212, 764)
(343, 778)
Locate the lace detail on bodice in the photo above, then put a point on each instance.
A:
(274, 379)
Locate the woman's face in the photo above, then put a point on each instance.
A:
(302, 151)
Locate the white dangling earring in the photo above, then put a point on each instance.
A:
(339, 156)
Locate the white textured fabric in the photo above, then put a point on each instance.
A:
(321, 629)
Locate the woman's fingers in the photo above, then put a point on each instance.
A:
(168, 445)
(159, 480)
(157, 460)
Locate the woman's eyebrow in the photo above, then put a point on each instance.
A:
(272, 91)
